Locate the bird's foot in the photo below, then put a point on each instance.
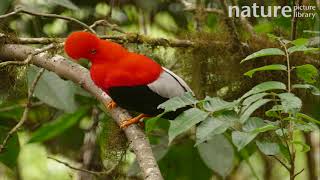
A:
(111, 105)
(124, 124)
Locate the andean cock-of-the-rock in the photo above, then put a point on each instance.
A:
(133, 81)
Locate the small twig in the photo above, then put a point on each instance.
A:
(20, 10)
(29, 58)
(208, 10)
(25, 112)
(191, 7)
(95, 173)
(109, 15)
(252, 169)
(103, 22)
(282, 163)
(9, 108)
(298, 173)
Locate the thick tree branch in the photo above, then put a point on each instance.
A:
(80, 75)
(231, 26)
(126, 38)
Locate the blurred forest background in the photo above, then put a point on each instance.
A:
(67, 124)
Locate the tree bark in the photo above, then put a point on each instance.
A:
(78, 74)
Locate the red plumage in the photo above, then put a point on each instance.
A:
(135, 82)
(112, 65)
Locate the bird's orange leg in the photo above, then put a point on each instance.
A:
(135, 120)
(111, 105)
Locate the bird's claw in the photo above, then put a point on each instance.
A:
(111, 105)
(124, 124)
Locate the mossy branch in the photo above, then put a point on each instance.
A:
(122, 39)
(78, 74)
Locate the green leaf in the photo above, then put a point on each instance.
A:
(241, 139)
(4, 5)
(213, 126)
(151, 123)
(300, 42)
(305, 147)
(247, 113)
(218, 149)
(52, 90)
(308, 118)
(263, 28)
(273, 67)
(306, 127)
(188, 165)
(178, 102)
(265, 86)
(274, 111)
(301, 48)
(66, 3)
(273, 37)
(285, 152)
(307, 73)
(268, 148)
(265, 128)
(217, 104)
(257, 125)
(58, 126)
(251, 99)
(10, 152)
(264, 52)
(290, 102)
(252, 124)
(185, 121)
(314, 90)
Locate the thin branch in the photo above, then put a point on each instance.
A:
(282, 163)
(20, 10)
(9, 108)
(103, 22)
(252, 169)
(25, 112)
(109, 15)
(95, 173)
(298, 173)
(208, 10)
(79, 75)
(89, 144)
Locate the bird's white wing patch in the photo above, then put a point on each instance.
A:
(169, 85)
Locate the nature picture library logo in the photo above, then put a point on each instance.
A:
(302, 11)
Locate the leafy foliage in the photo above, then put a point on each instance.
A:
(215, 117)
(210, 139)
(223, 153)
(264, 52)
(11, 152)
(273, 67)
(56, 127)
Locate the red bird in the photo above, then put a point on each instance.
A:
(133, 81)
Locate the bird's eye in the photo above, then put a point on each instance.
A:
(93, 51)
